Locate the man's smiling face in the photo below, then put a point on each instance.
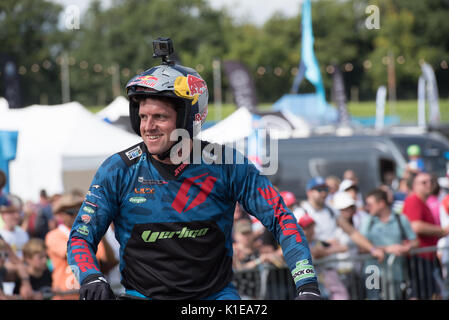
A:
(157, 121)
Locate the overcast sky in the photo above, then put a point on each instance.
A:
(256, 11)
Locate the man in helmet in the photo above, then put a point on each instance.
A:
(174, 220)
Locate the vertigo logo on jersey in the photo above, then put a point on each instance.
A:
(152, 236)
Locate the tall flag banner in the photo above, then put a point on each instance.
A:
(242, 85)
(428, 91)
(381, 96)
(421, 102)
(308, 66)
(432, 94)
(338, 88)
(8, 150)
(10, 79)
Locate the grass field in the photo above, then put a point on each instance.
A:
(405, 109)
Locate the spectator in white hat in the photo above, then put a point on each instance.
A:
(350, 187)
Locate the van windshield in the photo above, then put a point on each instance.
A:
(432, 152)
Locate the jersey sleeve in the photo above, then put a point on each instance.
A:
(94, 217)
(258, 197)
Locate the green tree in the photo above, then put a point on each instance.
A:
(123, 35)
(29, 33)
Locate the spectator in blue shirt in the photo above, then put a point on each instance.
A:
(390, 232)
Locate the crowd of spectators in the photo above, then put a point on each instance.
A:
(33, 247)
(338, 222)
(397, 218)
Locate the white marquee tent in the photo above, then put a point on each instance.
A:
(58, 145)
(241, 123)
(116, 109)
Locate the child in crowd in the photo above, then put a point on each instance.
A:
(35, 257)
(10, 271)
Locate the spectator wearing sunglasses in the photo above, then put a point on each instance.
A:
(425, 227)
(327, 225)
(324, 232)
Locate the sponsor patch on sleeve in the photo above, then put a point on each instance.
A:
(84, 230)
(303, 270)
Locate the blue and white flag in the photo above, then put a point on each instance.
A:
(308, 66)
(8, 150)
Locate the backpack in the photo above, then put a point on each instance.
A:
(38, 222)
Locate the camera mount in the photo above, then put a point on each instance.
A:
(163, 48)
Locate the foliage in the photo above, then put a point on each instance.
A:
(114, 43)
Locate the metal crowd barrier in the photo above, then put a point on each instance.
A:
(424, 276)
(366, 279)
(265, 282)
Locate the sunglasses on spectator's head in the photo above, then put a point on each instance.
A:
(321, 188)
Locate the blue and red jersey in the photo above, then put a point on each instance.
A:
(174, 222)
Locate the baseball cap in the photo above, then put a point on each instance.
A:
(346, 184)
(289, 198)
(343, 200)
(315, 182)
(68, 203)
(305, 221)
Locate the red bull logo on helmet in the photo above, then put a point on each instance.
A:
(148, 81)
(190, 87)
(196, 85)
(199, 117)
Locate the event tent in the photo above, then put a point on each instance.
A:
(116, 109)
(117, 113)
(3, 104)
(309, 106)
(59, 147)
(241, 124)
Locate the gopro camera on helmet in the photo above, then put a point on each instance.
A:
(162, 48)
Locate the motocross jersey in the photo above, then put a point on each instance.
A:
(174, 222)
